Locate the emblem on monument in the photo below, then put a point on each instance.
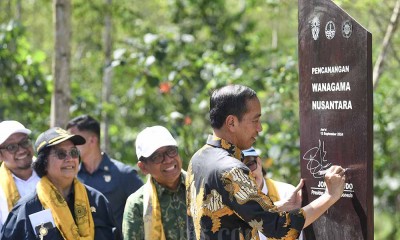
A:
(347, 29)
(330, 30)
(315, 27)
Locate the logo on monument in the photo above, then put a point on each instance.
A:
(330, 30)
(317, 164)
(347, 29)
(315, 27)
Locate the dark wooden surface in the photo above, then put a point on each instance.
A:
(336, 136)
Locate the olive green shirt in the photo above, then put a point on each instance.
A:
(173, 212)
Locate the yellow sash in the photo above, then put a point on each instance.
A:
(153, 228)
(272, 190)
(51, 198)
(9, 187)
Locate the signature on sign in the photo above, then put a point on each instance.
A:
(317, 164)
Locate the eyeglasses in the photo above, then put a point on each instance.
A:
(158, 157)
(13, 147)
(252, 163)
(62, 154)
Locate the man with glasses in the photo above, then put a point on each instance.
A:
(274, 189)
(16, 174)
(158, 209)
(116, 180)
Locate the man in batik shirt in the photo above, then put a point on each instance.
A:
(223, 199)
(158, 209)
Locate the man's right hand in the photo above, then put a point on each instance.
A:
(335, 180)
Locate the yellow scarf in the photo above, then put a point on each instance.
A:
(9, 187)
(153, 228)
(272, 190)
(51, 198)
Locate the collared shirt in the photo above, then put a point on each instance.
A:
(24, 188)
(173, 213)
(224, 202)
(117, 181)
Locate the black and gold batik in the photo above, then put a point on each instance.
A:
(224, 202)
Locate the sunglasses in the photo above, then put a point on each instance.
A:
(13, 147)
(63, 154)
(159, 157)
(252, 163)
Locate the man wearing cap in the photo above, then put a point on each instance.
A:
(116, 180)
(274, 189)
(158, 209)
(16, 174)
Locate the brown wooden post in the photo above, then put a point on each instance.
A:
(336, 114)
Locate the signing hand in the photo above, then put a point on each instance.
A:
(335, 181)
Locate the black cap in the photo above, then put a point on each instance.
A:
(54, 136)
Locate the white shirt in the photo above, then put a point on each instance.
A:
(24, 188)
(284, 191)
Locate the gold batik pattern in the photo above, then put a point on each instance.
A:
(211, 207)
(215, 209)
(243, 188)
(222, 190)
(232, 149)
(194, 200)
(256, 226)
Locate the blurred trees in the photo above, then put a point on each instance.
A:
(24, 89)
(168, 55)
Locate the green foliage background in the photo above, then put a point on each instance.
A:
(169, 55)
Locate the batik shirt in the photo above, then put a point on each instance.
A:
(224, 202)
(173, 213)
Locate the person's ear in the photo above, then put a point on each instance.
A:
(231, 122)
(143, 167)
(94, 139)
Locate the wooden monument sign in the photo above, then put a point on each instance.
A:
(336, 117)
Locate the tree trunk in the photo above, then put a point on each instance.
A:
(60, 101)
(107, 76)
(8, 10)
(19, 10)
(394, 19)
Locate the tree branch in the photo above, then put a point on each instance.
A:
(385, 44)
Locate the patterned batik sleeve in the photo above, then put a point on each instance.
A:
(257, 209)
(132, 223)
